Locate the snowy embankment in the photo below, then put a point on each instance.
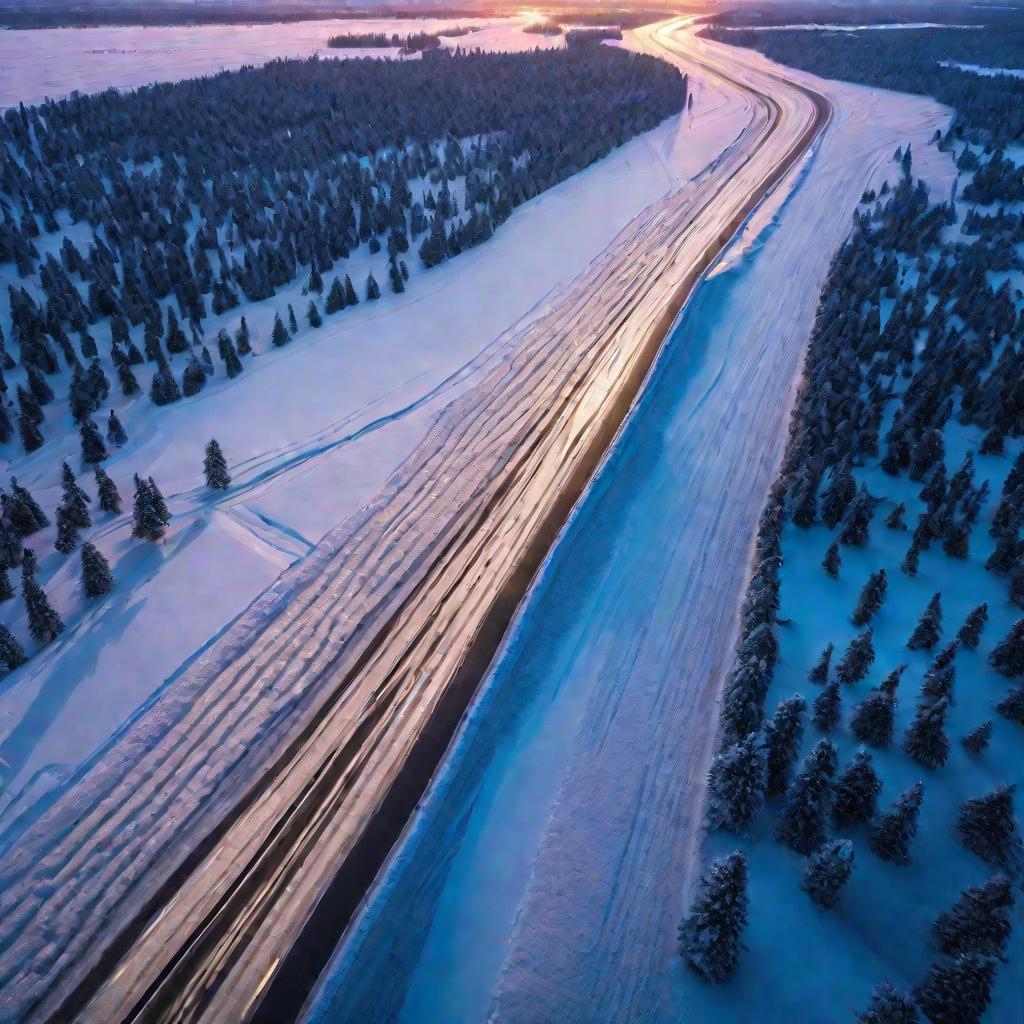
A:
(542, 878)
(977, 69)
(310, 431)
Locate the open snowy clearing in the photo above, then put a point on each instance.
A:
(349, 401)
(542, 878)
(37, 64)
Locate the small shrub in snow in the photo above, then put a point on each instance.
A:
(827, 871)
(889, 837)
(894, 520)
(957, 991)
(709, 936)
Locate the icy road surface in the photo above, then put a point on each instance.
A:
(543, 877)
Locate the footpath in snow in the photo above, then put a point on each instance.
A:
(542, 878)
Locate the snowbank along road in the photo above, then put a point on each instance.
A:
(189, 874)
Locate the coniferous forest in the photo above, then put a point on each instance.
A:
(892, 537)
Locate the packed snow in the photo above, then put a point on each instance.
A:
(310, 431)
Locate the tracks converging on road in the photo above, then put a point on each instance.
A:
(203, 869)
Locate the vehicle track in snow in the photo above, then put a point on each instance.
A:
(181, 878)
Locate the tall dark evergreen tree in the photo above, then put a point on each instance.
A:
(116, 434)
(819, 674)
(801, 824)
(979, 921)
(710, 935)
(855, 793)
(215, 468)
(928, 630)
(857, 659)
(736, 783)
(987, 828)
(873, 718)
(12, 654)
(279, 336)
(827, 707)
(890, 835)
(926, 740)
(93, 448)
(44, 624)
(832, 561)
(889, 1006)
(978, 738)
(1008, 655)
(969, 634)
(782, 735)
(149, 514)
(827, 871)
(871, 598)
(96, 577)
(957, 991)
(107, 492)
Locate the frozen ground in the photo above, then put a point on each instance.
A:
(542, 878)
(40, 63)
(348, 402)
(979, 70)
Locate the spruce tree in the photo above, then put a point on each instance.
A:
(842, 489)
(44, 624)
(979, 921)
(6, 589)
(67, 531)
(215, 468)
(1012, 705)
(149, 513)
(978, 738)
(709, 936)
(855, 793)
(857, 521)
(871, 598)
(819, 674)
(889, 1006)
(31, 437)
(925, 739)
(969, 634)
(928, 629)
(25, 514)
(107, 492)
(280, 333)
(857, 659)
(93, 448)
(96, 577)
(313, 315)
(1008, 655)
(782, 735)
(736, 782)
(827, 871)
(372, 288)
(74, 499)
(351, 299)
(986, 827)
(957, 991)
(242, 340)
(911, 559)
(827, 707)
(293, 324)
(335, 301)
(115, 430)
(894, 520)
(956, 542)
(832, 561)
(12, 654)
(801, 824)
(872, 719)
(890, 835)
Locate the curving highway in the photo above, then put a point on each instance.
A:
(202, 868)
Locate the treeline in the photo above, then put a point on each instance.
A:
(412, 43)
(545, 27)
(576, 36)
(989, 109)
(877, 397)
(206, 193)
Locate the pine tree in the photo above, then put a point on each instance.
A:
(6, 589)
(858, 658)
(67, 531)
(957, 540)
(26, 515)
(826, 707)
(1008, 656)
(782, 735)
(44, 624)
(150, 520)
(819, 674)
(736, 782)
(969, 634)
(871, 598)
(242, 340)
(93, 448)
(193, 379)
(709, 936)
(293, 324)
(928, 629)
(313, 315)
(978, 738)
(280, 333)
(1012, 705)
(801, 824)
(832, 561)
(842, 489)
(335, 298)
(894, 520)
(351, 299)
(872, 719)
(910, 561)
(979, 921)
(857, 521)
(986, 827)
(372, 288)
(855, 793)
(31, 437)
(127, 379)
(889, 1006)
(115, 430)
(74, 499)
(96, 577)
(958, 991)
(12, 654)
(925, 739)
(215, 467)
(107, 492)
(889, 837)
(890, 684)
(827, 871)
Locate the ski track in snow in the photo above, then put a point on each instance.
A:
(348, 402)
(545, 872)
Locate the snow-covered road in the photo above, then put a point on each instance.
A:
(297, 743)
(543, 877)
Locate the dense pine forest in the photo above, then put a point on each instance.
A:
(129, 219)
(870, 735)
